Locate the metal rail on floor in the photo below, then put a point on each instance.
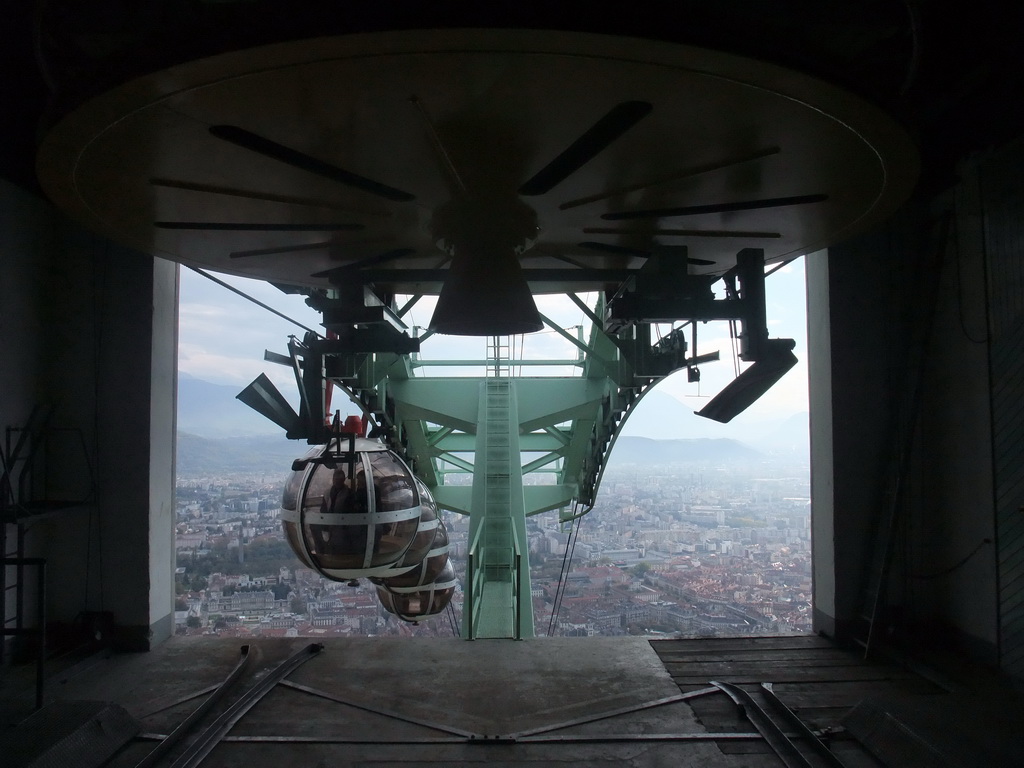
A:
(801, 728)
(532, 733)
(498, 739)
(189, 722)
(378, 711)
(209, 739)
(781, 742)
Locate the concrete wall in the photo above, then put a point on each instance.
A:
(163, 409)
(819, 375)
(89, 329)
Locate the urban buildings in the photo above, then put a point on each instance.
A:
(686, 550)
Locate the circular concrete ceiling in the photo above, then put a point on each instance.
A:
(303, 162)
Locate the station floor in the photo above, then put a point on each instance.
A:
(374, 702)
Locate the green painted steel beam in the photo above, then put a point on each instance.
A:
(561, 436)
(518, 363)
(597, 322)
(499, 602)
(549, 401)
(458, 442)
(567, 336)
(544, 498)
(413, 300)
(543, 461)
(419, 449)
(449, 402)
(455, 461)
(433, 438)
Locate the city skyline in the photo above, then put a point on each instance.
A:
(696, 548)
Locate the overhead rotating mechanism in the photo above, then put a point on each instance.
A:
(484, 165)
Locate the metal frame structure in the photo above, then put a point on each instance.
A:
(480, 442)
(25, 460)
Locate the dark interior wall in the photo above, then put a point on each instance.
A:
(124, 317)
(945, 578)
(925, 427)
(25, 245)
(1002, 215)
(90, 331)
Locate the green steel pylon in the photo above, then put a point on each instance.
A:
(478, 442)
(498, 564)
(474, 439)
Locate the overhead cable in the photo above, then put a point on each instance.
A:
(255, 301)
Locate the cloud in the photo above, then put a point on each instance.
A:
(222, 336)
(217, 368)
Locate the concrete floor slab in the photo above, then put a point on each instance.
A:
(477, 690)
(492, 686)
(399, 701)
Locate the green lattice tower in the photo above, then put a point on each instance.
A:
(488, 430)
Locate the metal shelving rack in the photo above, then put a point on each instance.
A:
(24, 499)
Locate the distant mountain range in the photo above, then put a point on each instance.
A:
(662, 417)
(211, 410)
(273, 454)
(644, 450)
(269, 454)
(217, 433)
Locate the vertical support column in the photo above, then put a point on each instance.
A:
(853, 354)
(819, 361)
(523, 616)
(135, 411)
(502, 602)
(163, 406)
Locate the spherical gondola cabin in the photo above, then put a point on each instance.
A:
(426, 533)
(290, 504)
(416, 603)
(424, 569)
(351, 509)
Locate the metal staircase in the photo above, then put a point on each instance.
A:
(496, 559)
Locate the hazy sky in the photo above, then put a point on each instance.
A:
(222, 338)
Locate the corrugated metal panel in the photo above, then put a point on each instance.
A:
(1003, 195)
